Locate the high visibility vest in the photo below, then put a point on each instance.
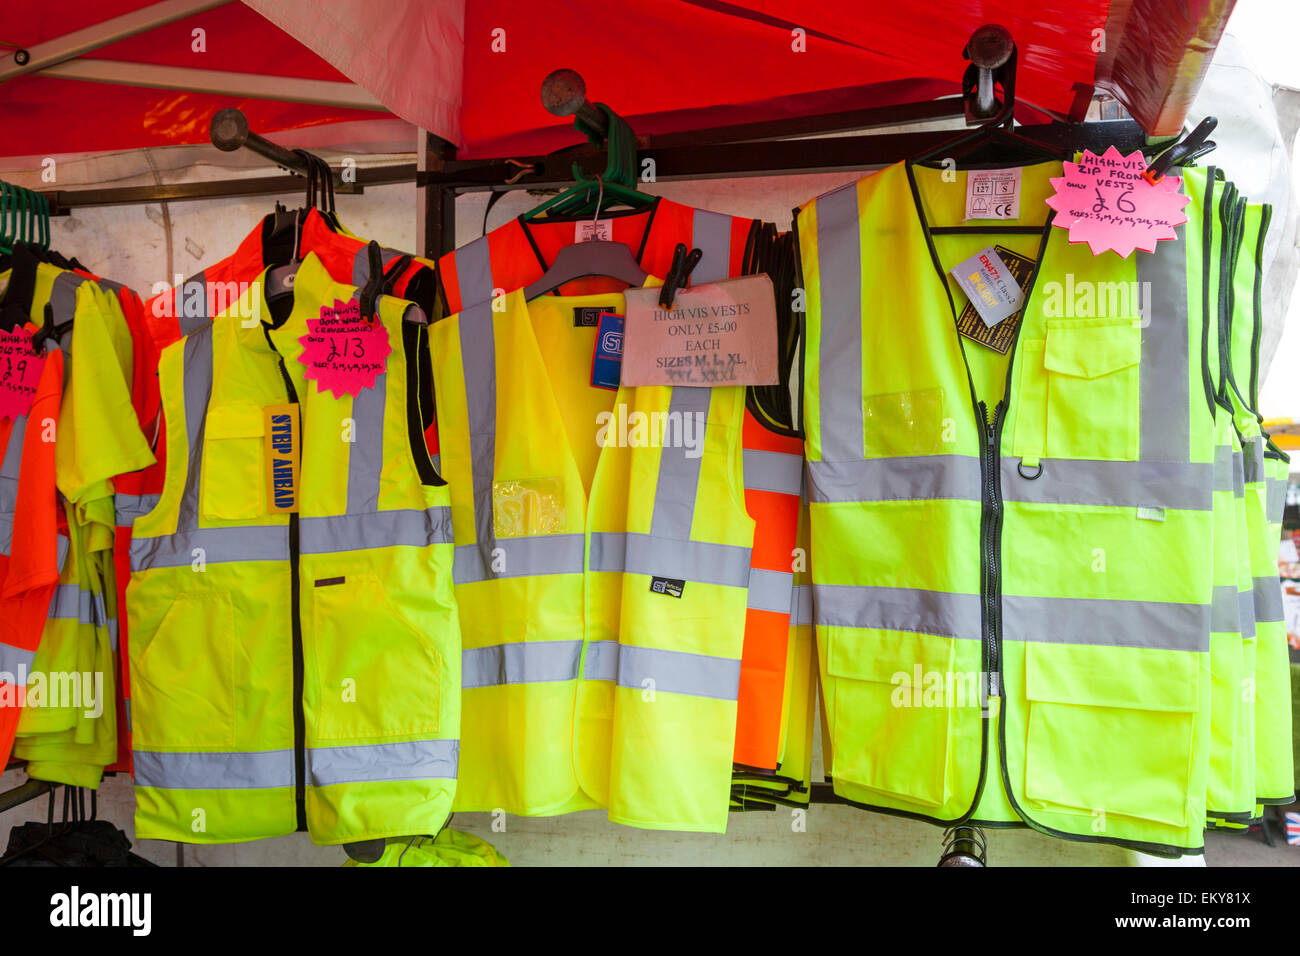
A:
(292, 670)
(1010, 555)
(517, 253)
(602, 587)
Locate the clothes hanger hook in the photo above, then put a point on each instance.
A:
(600, 198)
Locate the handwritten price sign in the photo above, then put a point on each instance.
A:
(20, 371)
(344, 351)
(1104, 201)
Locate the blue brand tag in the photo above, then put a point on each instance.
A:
(607, 361)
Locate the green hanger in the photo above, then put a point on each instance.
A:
(6, 237)
(43, 221)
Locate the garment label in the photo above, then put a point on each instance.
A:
(997, 337)
(673, 587)
(587, 230)
(20, 372)
(719, 333)
(283, 458)
(993, 193)
(586, 317)
(1104, 201)
(607, 359)
(989, 285)
(1148, 513)
(343, 351)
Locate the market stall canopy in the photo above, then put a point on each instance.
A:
(120, 74)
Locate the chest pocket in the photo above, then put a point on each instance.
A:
(1079, 391)
(232, 482)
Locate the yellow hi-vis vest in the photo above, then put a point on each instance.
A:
(602, 568)
(294, 670)
(1010, 554)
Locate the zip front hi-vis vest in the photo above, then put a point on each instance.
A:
(292, 669)
(602, 572)
(1010, 554)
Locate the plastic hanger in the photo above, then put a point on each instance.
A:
(582, 260)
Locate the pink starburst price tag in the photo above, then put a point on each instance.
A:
(20, 371)
(1104, 201)
(344, 351)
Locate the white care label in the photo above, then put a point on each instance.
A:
(993, 193)
(989, 285)
(587, 230)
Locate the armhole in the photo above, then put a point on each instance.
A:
(774, 254)
(419, 400)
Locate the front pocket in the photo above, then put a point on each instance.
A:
(894, 696)
(183, 684)
(1110, 730)
(377, 676)
(1093, 379)
(903, 423)
(232, 479)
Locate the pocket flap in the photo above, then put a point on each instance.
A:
(1121, 677)
(1092, 347)
(885, 655)
(235, 420)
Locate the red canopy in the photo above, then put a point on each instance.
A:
(470, 72)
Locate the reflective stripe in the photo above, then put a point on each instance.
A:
(519, 662)
(839, 355)
(366, 451)
(897, 609)
(679, 474)
(383, 529)
(361, 262)
(373, 763)
(16, 663)
(1267, 600)
(62, 545)
(194, 288)
(1223, 468)
(1163, 370)
(602, 661)
(110, 625)
(66, 604)
(909, 478)
(703, 561)
(711, 234)
(474, 273)
(1133, 484)
(11, 464)
(197, 384)
(1238, 476)
(1225, 610)
(6, 532)
(770, 590)
(126, 709)
(218, 546)
(98, 611)
(801, 605)
(1106, 623)
(1276, 492)
(63, 296)
(478, 363)
(519, 557)
(1246, 612)
(1253, 461)
(772, 471)
(129, 507)
(678, 672)
(255, 770)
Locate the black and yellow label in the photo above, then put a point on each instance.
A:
(998, 337)
(283, 458)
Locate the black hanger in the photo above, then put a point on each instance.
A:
(16, 307)
(49, 330)
(369, 293)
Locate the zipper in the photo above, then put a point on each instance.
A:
(991, 544)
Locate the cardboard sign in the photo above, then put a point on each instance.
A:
(989, 285)
(1105, 202)
(719, 333)
(997, 337)
(283, 450)
(20, 372)
(993, 193)
(344, 351)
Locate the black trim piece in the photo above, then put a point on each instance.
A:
(415, 343)
(1241, 816)
(1265, 218)
(330, 582)
(745, 768)
(1232, 211)
(1276, 801)
(1207, 255)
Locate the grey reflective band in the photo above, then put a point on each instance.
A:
(519, 662)
(63, 296)
(474, 273)
(381, 529)
(770, 590)
(906, 478)
(703, 561)
(1223, 468)
(15, 664)
(437, 463)
(197, 385)
(67, 604)
(1163, 370)
(1132, 484)
(110, 625)
(1238, 475)
(1225, 612)
(679, 473)
(897, 609)
(366, 450)
(602, 661)
(1267, 600)
(126, 709)
(255, 770)
(1246, 612)
(839, 355)
(479, 367)
(129, 507)
(376, 763)
(98, 611)
(216, 546)
(361, 262)
(62, 545)
(194, 288)
(711, 234)
(6, 532)
(678, 672)
(801, 605)
(11, 464)
(519, 557)
(776, 471)
(1107, 623)
(1276, 493)
(1253, 461)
